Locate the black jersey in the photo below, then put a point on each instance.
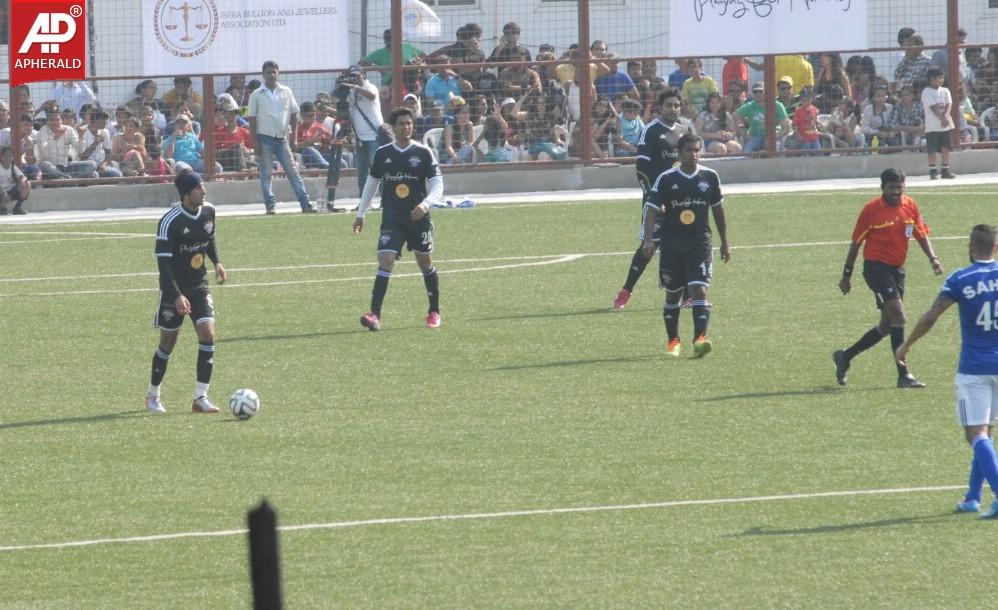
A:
(183, 241)
(404, 175)
(658, 149)
(685, 201)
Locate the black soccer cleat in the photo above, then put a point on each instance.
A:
(841, 366)
(909, 382)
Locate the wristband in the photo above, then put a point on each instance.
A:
(847, 271)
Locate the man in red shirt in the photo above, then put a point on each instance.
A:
(885, 225)
(233, 144)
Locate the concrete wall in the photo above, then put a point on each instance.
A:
(486, 181)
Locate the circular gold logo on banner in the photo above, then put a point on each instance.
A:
(687, 217)
(402, 191)
(185, 30)
(197, 261)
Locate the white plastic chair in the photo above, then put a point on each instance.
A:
(432, 139)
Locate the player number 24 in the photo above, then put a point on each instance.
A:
(988, 316)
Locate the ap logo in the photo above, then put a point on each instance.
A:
(50, 30)
(50, 41)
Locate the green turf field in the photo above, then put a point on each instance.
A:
(688, 483)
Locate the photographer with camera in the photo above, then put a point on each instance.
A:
(361, 97)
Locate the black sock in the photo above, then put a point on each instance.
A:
(670, 313)
(159, 361)
(638, 264)
(701, 318)
(897, 338)
(380, 290)
(206, 361)
(871, 338)
(432, 288)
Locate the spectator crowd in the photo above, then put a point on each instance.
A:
(526, 107)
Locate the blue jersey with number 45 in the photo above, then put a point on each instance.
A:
(975, 290)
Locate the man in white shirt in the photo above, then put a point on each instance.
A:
(97, 145)
(73, 94)
(54, 145)
(365, 116)
(273, 122)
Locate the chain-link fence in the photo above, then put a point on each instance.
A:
(547, 81)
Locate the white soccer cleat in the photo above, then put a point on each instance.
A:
(203, 405)
(154, 405)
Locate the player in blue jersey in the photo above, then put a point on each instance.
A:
(679, 207)
(411, 179)
(975, 290)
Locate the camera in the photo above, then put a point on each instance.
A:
(341, 89)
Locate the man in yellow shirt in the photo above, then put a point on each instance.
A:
(798, 68)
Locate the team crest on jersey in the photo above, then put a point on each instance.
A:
(909, 230)
(197, 261)
(687, 217)
(402, 191)
(703, 186)
(208, 226)
(414, 161)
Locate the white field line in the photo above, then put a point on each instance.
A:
(283, 268)
(555, 259)
(371, 263)
(85, 237)
(562, 259)
(485, 516)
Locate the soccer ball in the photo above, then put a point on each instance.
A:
(244, 403)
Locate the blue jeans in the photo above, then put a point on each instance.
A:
(312, 158)
(365, 156)
(816, 145)
(278, 147)
(757, 143)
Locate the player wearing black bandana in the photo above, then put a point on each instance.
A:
(411, 179)
(184, 238)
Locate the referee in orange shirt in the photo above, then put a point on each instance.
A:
(885, 225)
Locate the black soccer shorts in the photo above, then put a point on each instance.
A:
(418, 236)
(886, 281)
(202, 309)
(681, 264)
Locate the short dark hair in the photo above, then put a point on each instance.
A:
(306, 107)
(933, 72)
(982, 238)
(401, 111)
(892, 174)
(905, 34)
(686, 138)
(666, 94)
(270, 63)
(511, 27)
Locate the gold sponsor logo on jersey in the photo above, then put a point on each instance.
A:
(197, 261)
(402, 191)
(687, 217)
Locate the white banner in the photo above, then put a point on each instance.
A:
(761, 27)
(237, 36)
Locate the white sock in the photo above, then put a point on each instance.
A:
(153, 391)
(200, 389)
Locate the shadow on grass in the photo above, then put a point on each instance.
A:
(544, 365)
(828, 389)
(846, 527)
(74, 420)
(559, 314)
(305, 336)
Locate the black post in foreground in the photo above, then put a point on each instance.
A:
(265, 569)
(333, 177)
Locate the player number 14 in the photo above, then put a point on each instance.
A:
(987, 319)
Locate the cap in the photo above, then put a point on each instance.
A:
(437, 104)
(508, 100)
(410, 96)
(355, 69)
(182, 80)
(786, 79)
(758, 87)
(226, 103)
(187, 182)
(182, 118)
